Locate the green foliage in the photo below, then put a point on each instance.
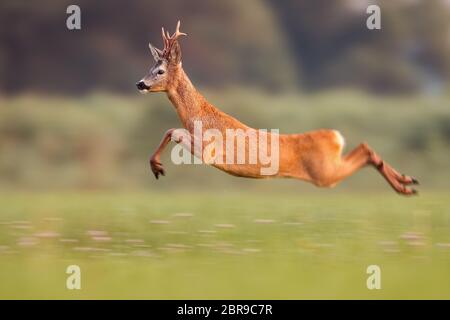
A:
(228, 42)
(411, 51)
(103, 141)
(271, 44)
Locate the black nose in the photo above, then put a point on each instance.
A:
(142, 86)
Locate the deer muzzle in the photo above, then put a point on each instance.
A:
(142, 86)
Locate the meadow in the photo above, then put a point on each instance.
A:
(76, 189)
(182, 245)
(76, 136)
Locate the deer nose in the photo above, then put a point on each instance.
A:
(142, 86)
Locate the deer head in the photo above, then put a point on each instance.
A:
(167, 63)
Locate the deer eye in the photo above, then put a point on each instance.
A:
(160, 71)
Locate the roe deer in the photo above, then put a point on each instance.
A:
(314, 156)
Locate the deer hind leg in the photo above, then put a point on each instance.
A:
(363, 155)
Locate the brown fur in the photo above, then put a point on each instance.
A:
(314, 156)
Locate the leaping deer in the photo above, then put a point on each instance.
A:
(314, 156)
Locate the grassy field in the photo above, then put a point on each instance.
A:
(149, 245)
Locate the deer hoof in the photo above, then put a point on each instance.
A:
(410, 192)
(403, 190)
(407, 180)
(157, 168)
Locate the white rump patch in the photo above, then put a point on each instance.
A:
(339, 139)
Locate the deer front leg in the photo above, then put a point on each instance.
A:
(155, 163)
(176, 135)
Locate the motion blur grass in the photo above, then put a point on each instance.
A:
(232, 245)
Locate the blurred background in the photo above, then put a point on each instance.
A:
(70, 116)
(75, 137)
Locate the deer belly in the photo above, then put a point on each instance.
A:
(243, 170)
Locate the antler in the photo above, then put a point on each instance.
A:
(169, 40)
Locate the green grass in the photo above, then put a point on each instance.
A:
(246, 245)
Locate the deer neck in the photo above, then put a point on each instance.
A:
(187, 101)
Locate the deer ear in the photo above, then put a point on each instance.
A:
(175, 53)
(156, 53)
